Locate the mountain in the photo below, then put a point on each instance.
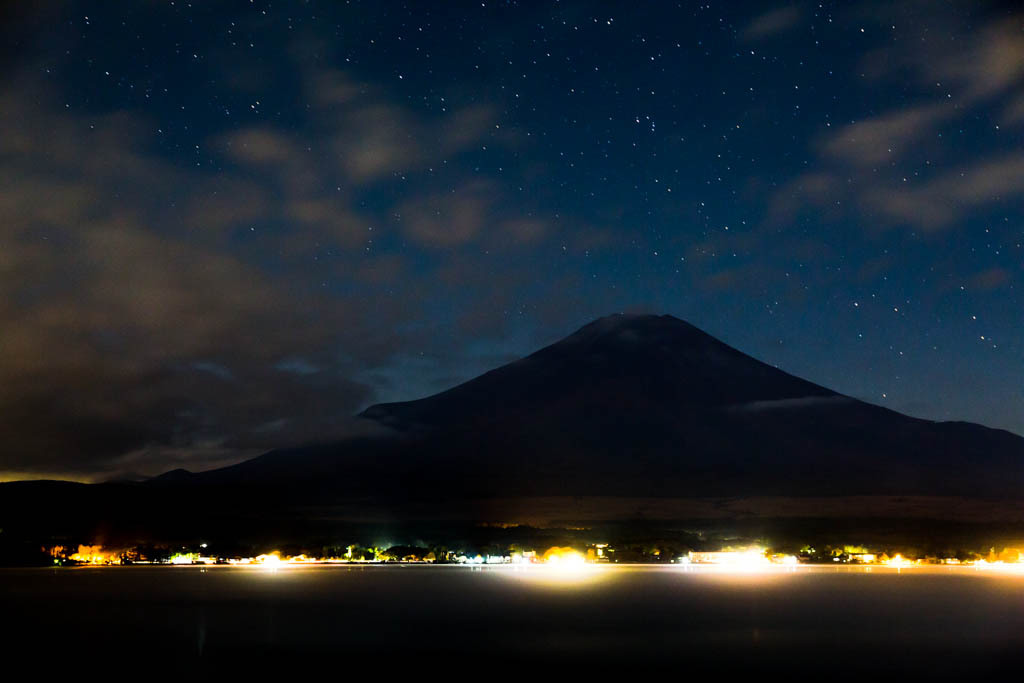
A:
(631, 421)
(642, 406)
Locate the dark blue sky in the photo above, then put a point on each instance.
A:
(228, 226)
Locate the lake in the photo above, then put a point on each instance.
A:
(410, 620)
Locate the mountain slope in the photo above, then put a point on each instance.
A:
(660, 361)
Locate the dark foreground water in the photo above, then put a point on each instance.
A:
(414, 621)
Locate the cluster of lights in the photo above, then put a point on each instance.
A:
(94, 555)
(564, 558)
(750, 558)
(897, 561)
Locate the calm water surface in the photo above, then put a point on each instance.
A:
(395, 621)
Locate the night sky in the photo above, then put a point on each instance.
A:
(227, 227)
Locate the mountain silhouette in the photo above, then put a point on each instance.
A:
(648, 406)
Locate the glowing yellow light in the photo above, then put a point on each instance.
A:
(270, 560)
(560, 568)
(563, 557)
(95, 554)
(302, 559)
(898, 561)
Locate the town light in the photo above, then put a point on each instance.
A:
(270, 560)
(563, 557)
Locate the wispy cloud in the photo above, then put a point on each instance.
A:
(942, 202)
(790, 404)
(970, 63)
(857, 170)
(886, 137)
(773, 23)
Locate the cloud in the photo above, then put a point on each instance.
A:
(1013, 113)
(475, 212)
(790, 403)
(129, 328)
(972, 63)
(215, 369)
(930, 206)
(299, 366)
(862, 169)
(377, 141)
(523, 231)
(261, 146)
(816, 189)
(467, 127)
(327, 220)
(886, 137)
(447, 219)
(991, 62)
(371, 139)
(772, 23)
(942, 202)
(991, 279)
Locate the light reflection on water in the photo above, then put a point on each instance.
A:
(939, 620)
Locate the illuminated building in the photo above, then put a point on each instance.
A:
(599, 553)
(750, 556)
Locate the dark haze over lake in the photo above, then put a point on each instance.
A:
(504, 621)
